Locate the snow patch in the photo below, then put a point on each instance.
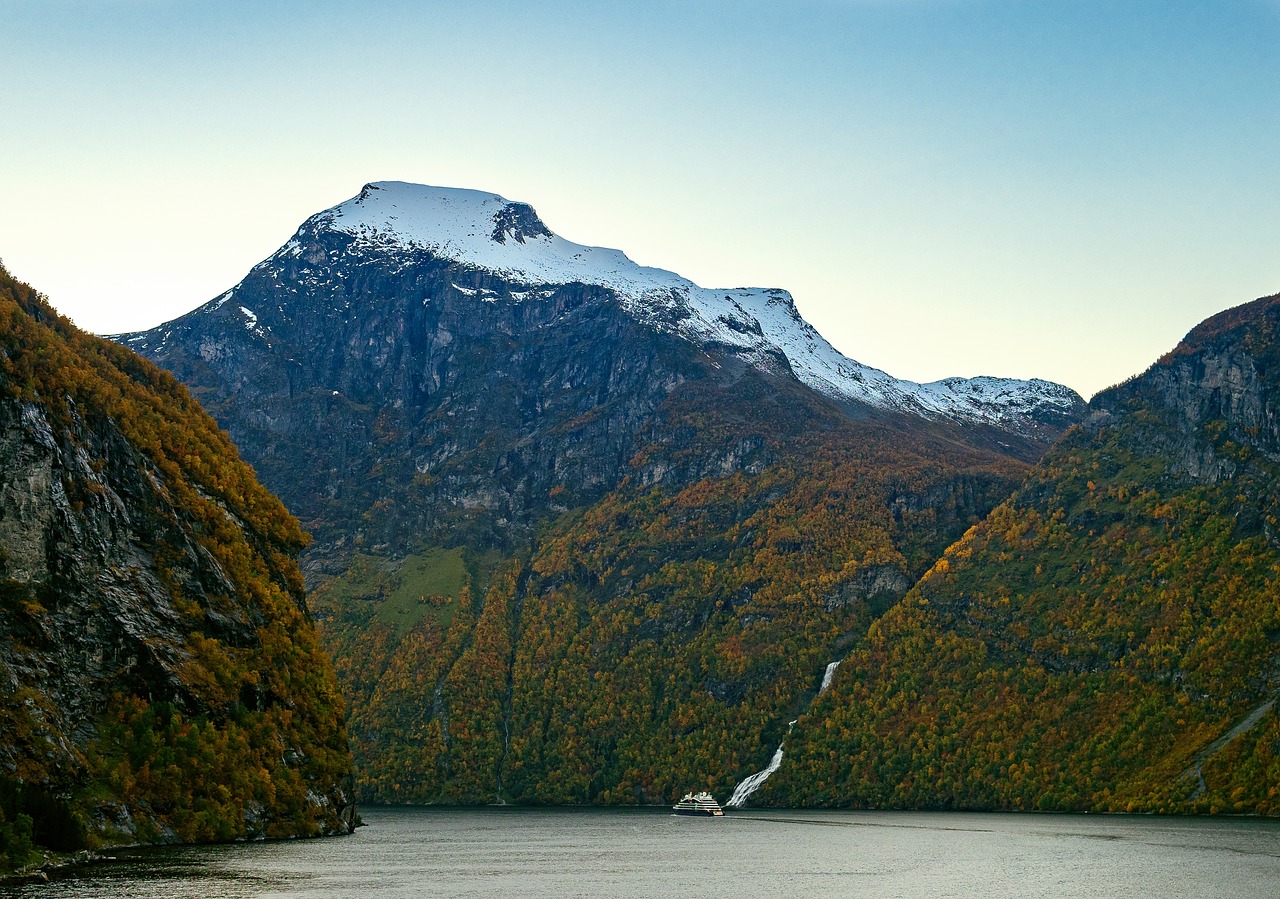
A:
(251, 323)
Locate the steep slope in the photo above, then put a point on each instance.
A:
(1107, 639)
(761, 326)
(443, 354)
(156, 654)
(531, 465)
(659, 638)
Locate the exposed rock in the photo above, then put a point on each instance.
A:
(878, 585)
(144, 578)
(603, 447)
(421, 364)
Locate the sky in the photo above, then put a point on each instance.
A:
(1024, 188)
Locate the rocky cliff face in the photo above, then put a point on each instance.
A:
(1107, 639)
(443, 356)
(150, 611)
(1215, 395)
(452, 414)
(532, 465)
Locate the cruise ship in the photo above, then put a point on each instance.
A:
(698, 804)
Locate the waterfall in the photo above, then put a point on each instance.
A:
(826, 678)
(753, 782)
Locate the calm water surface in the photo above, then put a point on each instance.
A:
(649, 853)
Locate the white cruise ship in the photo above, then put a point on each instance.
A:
(698, 804)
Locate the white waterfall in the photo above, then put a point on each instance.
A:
(826, 677)
(752, 783)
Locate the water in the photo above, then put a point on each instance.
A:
(606, 854)
(752, 783)
(828, 675)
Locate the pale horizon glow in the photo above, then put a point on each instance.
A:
(947, 187)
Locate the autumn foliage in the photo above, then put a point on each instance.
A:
(1107, 639)
(226, 720)
(657, 640)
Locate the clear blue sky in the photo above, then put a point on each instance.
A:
(1052, 188)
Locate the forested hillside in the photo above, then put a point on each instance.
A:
(656, 641)
(585, 531)
(160, 677)
(1109, 637)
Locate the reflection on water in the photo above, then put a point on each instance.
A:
(606, 854)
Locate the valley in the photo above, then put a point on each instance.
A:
(672, 505)
(585, 533)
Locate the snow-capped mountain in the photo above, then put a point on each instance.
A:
(421, 335)
(489, 232)
(615, 461)
(486, 232)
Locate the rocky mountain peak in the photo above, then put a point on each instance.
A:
(401, 226)
(1216, 394)
(428, 398)
(518, 221)
(455, 221)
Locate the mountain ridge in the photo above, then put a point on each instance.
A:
(1108, 638)
(486, 232)
(498, 472)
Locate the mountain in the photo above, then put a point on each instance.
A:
(1108, 638)
(409, 318)
(484, 233)
(584, 531)
(156, 655)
